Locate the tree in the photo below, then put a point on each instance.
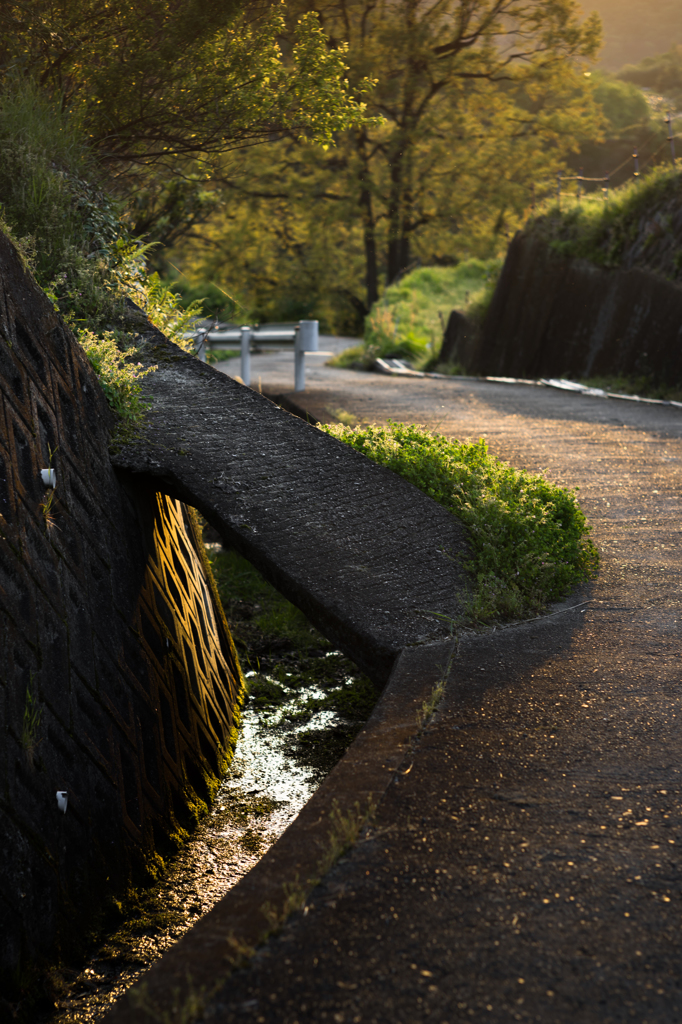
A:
(662, 73)
(478, 100)
(452, 74)
(154, 80)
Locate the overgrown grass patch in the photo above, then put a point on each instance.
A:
(603, 232)
(529, 538)
(409, 320)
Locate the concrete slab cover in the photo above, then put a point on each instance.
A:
(371, 560)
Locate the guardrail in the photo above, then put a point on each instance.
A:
(304, 334)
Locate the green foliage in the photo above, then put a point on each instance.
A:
(421, 302)
(409, 319)
(128, 277)
(70, 233)
(468, 124)
(154, 79)
(118, 374)
(624, 105)
(630, 224)
(216, 304)
(51, 199)
(242, 590)
(630, 125)
(662, 73)
(529, 538)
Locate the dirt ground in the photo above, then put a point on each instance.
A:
(527, 864)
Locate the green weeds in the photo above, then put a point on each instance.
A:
(635, 216)
(118, 372)
(345, 827)
(409, 320)
(529, 538)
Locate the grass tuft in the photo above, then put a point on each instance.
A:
(633, 227)
(529, 538)
(409, 320)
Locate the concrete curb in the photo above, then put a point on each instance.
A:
(383, 366)
(259, 904)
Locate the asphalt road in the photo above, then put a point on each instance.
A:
(526, 865)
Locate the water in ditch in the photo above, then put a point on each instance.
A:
(305, 705)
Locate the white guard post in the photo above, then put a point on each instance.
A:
(200, 344)
(307, 340)
(246, 355)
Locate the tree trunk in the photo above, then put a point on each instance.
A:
(371, 269)
(399, 213)
(368, 222)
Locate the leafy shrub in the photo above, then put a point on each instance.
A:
(118, 374)
(529, 538)
(128, 276)
(68, 229)
(409, 320)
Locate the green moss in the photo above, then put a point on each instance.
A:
(322, 748)
(247, 597)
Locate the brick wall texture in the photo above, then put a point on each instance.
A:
(118, 678)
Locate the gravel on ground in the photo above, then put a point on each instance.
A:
(527, 864)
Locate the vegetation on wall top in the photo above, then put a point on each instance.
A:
(639, 225)
(529, 537)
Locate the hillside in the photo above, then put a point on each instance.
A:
(640, 226)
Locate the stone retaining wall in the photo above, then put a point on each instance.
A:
(556, 316)
(119, 681)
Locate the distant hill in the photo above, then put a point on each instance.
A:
(634, 29)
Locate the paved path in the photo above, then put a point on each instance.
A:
(526, 864)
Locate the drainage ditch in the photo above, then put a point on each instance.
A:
(306, 703)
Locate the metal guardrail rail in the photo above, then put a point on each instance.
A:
(304, 335)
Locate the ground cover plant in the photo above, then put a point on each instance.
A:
(529, 538)
(409, 320)
(641, 385)
(634, 226)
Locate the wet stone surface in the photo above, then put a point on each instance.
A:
(305, 705)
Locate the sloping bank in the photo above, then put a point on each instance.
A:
(593, 290)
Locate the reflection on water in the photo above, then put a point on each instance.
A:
(291, 734)
(306, 703)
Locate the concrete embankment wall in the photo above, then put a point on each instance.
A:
(556, 316)
(118, 678)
